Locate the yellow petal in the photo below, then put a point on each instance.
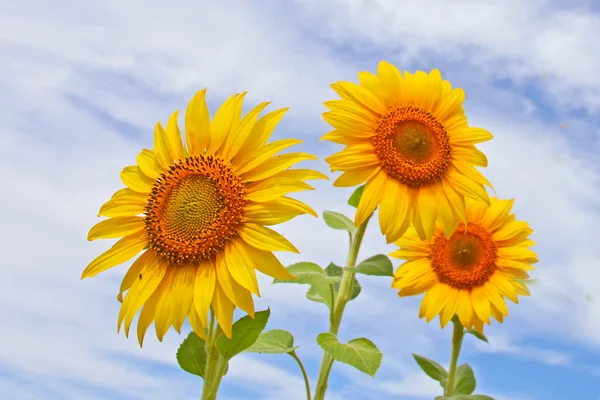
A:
(470, 136)
(448, 218)
(223, 309)
(197, 124)
(371, 197)
(391, 78)
(362, 96)
(260, 134)
(276, 164)
(197, 324)
(142, 288)
(433, 302)
(261, 155)
(174, 137)
(397, 211)
(504, 286)
(148, 164)
(356, 177)
(116, 227)
(347, 107)
(161, 149)
(464, 307)
(512, 233)
(163, 318)
(129, 194)
(204, 288)
(356, 156)
(351, 124)
(271, 213)
(124, 250)
(466, 186)
(481, 303)
(238, 295)
(449, 308)
(134, 179)
(457, 201)
(221, 124)
(182, 294)
(240, 268)
(236, 139)
(148, 313)
(469, 154)
(264, 238)
(272, 189)
(133, 273)
(301, 174)
(427, 207)
(122, 207)
(495, 299)
(265, 262)
(518, 254)
(496, 215)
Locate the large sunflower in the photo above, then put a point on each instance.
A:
(472, 272)
(198, 213)
(407, 137)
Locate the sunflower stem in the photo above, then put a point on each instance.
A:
(457, 339)
(209, 391)
(304, 375)
(338, 307)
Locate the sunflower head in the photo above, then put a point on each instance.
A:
(472, 272)
(407, 137)
(199, 213)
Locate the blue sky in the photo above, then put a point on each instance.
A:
(82, 85)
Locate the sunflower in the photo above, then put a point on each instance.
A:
(407, 137)
(472, 272)
(198, 213)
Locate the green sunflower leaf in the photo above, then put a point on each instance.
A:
(379, 265)
(245, 333)
(355, 197)
(321, 293)
(339, 221)
(308, 273)
(360, 353)
(478, 335)
(275, 341)
(464, 381)
(191, 355)
(434, 370)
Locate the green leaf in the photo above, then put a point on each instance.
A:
(464, 381)
(275, 341)
(307, 273)
(339, 221)
(245, 332)
(321, 293)
(434, 370)
(355, 197)
(589, 297)
(478, 335)
(191, 355)
(360, 353)
(379, 265)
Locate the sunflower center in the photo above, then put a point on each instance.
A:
(413, 146)
(194, 209)
(466, 260)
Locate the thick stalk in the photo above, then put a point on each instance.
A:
(212, 361)
(457, 338)
(341, 300)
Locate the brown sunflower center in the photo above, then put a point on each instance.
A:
(194, 209)
(413, 146)
(466, 260)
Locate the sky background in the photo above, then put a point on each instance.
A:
(82, 84)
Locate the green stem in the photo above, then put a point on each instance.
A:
(209, 392)
(457, 338)
(337, 312)
(306, 382)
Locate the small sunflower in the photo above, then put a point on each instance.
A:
(198, 213)
(407, 137)
(472, 272)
